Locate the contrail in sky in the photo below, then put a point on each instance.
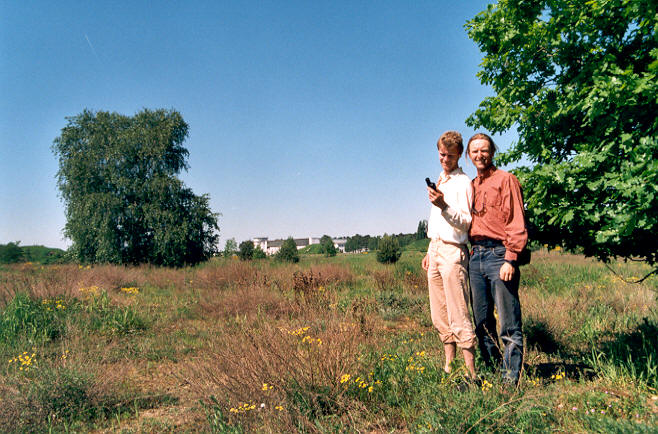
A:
(92, 47)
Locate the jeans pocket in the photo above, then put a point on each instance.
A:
(475, 253)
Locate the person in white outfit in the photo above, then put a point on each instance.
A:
(446, 261)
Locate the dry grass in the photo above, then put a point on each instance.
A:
(281, 335)
(384, 279)
(61, 384)
(66, 280)
(275, 366)
(590, 306)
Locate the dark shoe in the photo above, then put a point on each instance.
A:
(468, 383)
(510, 383)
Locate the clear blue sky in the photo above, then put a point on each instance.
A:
(306, 117)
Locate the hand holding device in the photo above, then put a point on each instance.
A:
(436, 196)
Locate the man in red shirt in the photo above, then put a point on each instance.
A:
(497, 235)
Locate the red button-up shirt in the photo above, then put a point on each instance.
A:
(498, 211)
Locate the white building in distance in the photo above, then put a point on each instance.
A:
(270, 247)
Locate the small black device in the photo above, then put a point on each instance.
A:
(430, 184)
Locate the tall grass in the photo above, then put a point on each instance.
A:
(329, 344)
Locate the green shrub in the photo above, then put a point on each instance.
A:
(230, 248)
(392, 304)
(328, 247)
(32, 321)
(46, 397)
(217, 421)
(11, 253)
(288, 251)
(105, 317)
(259, 253)
(62, 399)
(389, 250)
(246, 251)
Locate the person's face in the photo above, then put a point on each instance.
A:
(479, 151)
(448, 159)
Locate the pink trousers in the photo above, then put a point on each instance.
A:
(447, 279)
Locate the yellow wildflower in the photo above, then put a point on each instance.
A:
(345, 378)
(130, 290)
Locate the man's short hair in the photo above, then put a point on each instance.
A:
(451, 140)
(483, 136)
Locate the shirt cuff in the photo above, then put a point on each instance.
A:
(448, 213)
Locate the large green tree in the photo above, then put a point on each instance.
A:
(577, 79)
(124, 203)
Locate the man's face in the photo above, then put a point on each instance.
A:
(448, 159)
(479, 151)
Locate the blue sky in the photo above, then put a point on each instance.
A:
(306, 117)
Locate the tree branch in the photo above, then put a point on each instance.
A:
(654, 271)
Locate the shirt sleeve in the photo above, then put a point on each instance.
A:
(459, 214)
(516, 235)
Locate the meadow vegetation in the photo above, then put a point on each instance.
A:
(323, 345)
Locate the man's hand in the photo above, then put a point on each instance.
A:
(426, 262)
(436, 197)
(506, 272)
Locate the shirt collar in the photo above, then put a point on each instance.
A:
(444, 177)
(487, 173)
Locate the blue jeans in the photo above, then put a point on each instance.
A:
(487, 291)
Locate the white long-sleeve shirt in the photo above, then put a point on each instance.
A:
(451, 224)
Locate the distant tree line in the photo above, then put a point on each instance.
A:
(13, 253)
(370, 243)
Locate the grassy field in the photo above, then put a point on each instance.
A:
(326, 345)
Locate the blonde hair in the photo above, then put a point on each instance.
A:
(451, 140)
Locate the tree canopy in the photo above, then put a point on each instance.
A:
(327, 244)
(421, 232)
(288, 251)
(246, 251)
(11, 253)
(577, 79)
(357, 242)
(124, 203)
(230, 248)
(389, 250)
